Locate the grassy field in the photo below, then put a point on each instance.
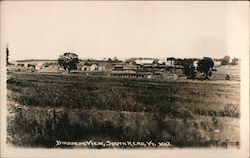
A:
(78, 108)
(232, 70)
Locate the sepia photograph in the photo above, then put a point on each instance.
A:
(167, 77)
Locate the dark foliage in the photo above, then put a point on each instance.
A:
(205, 65)
(188, 68)
(68, 61)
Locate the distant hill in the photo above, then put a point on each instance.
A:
(33, 60)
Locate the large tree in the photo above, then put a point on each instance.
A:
(68, 61)
(205, 66)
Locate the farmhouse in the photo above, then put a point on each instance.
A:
(39, 66)
(162, 61)
(217, 63)
(93, 67)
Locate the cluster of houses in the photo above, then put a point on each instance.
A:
(93, 67)
(131, 68)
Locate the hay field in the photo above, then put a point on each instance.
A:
(44, 108)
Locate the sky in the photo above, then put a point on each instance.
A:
(98, 29)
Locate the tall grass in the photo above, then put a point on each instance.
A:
(76, 108)
(124, 95)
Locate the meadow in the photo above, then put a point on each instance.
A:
(78, 107)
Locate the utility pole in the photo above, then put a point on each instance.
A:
(7, 54)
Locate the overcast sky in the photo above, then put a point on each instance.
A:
(100, 29)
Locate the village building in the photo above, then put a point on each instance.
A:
(101, 68)
(93, 67)
(39, 66)
(162, 61)
(51, 69)
(131, 74)
(144, 61)
(195, 63)
(118, 67)
(26, 64)
(85, 68)
(130, 67)
(217, 63)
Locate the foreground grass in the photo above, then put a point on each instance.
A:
(76, 108)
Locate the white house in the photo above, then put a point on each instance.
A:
(169, 63)
(162, 61)
(39, 66)
(85, 68)
(102, 68)
(217, 63)
(25, 64)
(93, 67)
(195, 63)
(144, 61)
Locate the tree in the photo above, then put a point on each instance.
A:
(205, 66)
(68, 61)
(188, 68)
(109, 60)
(115, 59)
(225, 60)
(7, 54)
(234, 61)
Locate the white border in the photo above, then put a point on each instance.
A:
(7, 151)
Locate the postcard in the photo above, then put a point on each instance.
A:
(124, 79)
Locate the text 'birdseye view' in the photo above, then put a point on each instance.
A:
(124, 75)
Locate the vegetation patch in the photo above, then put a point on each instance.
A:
(46, 108)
